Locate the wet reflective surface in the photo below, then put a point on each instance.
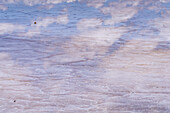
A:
(82, 56)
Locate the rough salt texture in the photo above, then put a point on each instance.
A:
(84, 56)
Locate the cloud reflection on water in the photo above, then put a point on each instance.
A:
(65, 65)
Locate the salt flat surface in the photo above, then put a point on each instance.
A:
(82, 56)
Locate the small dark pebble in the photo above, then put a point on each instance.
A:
(14, 100)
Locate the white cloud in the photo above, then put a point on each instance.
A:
(35, 2)
(3, 8)
(69, 1)
(45, 22)
(93, 41)
(120, 11)
(10, 1)
(102, 36)
(93, 3)
(85, 24)
(32, 32)
(90, 3)
(163, 25)
(120, 16)
(32, 2)
(165, 1)
(48, 6)
(62, 19)
(6, 28)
